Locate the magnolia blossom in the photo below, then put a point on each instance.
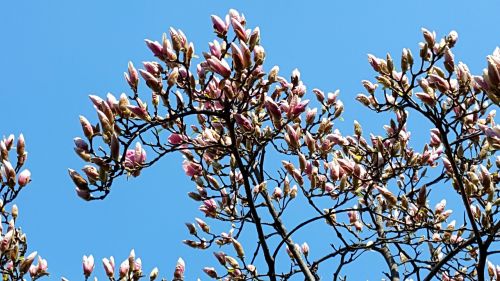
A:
(179, 269)
(124, 268)
(305, 249)
(24, 178)
(109, 266)
(176, 139)
(191, 168)
(88, 265)
(135, 158)
(39, 269)
(210, 271)
(209, 207)
(277, 193)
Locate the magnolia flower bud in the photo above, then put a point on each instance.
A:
(179, 269)
(20, 147)
(305, 249)
(26, 263)
(124, 268)
(154, 274)
(219, 25)
(232, 262)
(132, 77)
(221, 257)
(219, 66)
(24, 178)
(259, 55)
(237, 55)
(277, 194)
(88, 265)
(238, 248)
(210, 271)
(430, 37)
(203, 225)
(452, 38)
(293, 192)
(254, 37)
(239, 30)
(131, 258)
(426, 99)
(14, 211)
(155, 47)
(109, 266)
(172, 77)
(78, 180)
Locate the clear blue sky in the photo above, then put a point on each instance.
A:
(54, 53)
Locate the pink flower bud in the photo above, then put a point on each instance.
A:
(96, 100)
(135, 158)
(259, 55)
(152, 67)
(219, 66)
(42, 265)
(109, 266)
(452, 38)
(131, 258)
(83, 193)
(375, 62)
(439, 82)
(298, 107)
(179, 269)
(239, 30)
(254, 37)
(277, 193)
(33, 271)
(172, 77)
(440, 207)
(176, 139)
(26, 263)
(88, 265)
(203, 225)
(124, 268)
(311, 115)
(244, 122)
(274, 111)
(210, 271)
(221, 257)
(24, 178)
(447, 165)
(88, 131)
(305, 249)
(219, 25)
(152, 82)
(426, 99)
(132, 77)
(138, 265)
(430, 37)
(20, 145)
(8, 141)
(179, 40)
(191, 168)
(237, 56)
(155, 47)
(209, 207)
(319, 95)
(154, 274)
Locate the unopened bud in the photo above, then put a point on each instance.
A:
(154, 274)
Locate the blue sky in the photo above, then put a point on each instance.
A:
(55, 53)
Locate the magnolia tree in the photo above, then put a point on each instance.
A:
(231, 120)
